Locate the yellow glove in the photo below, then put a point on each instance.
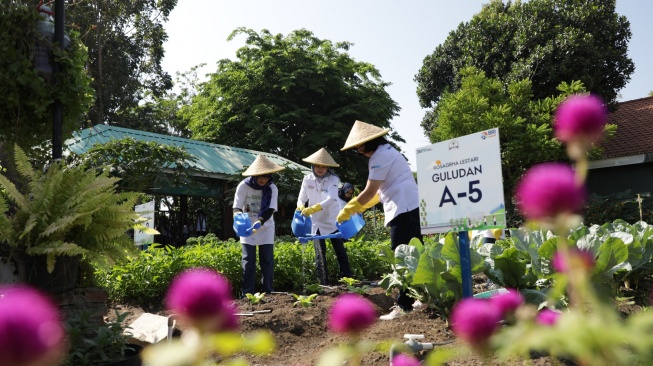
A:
(311, 210)
(352, 207)
(376, 199)
(300, 208)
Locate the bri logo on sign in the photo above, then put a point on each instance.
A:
(488, 133)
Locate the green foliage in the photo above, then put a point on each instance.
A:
(91, 344)
(430, 271)
(303, 300)
(125, 47)
(623, 205)
(292, 94)
(142, 166)
(255, 298)
(26, 95)
(545, 41)
(145, 278)
(68, 211)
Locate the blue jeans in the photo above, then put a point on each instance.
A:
(321, 261)
(248, 263)
(403, 228)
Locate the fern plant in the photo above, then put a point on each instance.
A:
(67, 211)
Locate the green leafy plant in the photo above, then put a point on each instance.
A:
(348, 281)
(92, 344)
(313, 288)
(303, 300)
(68, 211)
(255, 298)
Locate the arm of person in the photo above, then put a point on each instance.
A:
(367, 198)
(371, 189)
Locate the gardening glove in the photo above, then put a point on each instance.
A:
(376, 199)
(300, 208)
(311, 210)
(352, 207)
(256, 226)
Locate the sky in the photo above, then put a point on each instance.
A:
(394, 36)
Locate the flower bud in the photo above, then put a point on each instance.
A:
(548, 190)
(547, 317)
(404, 360)
(475, 320)
(351, 313)
(580, 118)
(577, 259)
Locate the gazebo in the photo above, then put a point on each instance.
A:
(217, 167)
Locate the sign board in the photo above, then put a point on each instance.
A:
(460, 184)
(145, 210)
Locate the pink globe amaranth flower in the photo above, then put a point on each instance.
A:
(580, 118)
(351, 313)
(547, 317)
(507, 302)
(548, 190)
(577, 259)
(404, 360)
(475, 320)
(202, 297)
(31, 332)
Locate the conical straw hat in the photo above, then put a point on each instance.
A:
(363, 132)
(321, 157)
(262, 166)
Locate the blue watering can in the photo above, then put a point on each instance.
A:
(346, 230)
(301, 225)
(242, 224)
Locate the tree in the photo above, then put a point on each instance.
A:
(26, 94)
(525, 123)
(125, 45)
(291, 96)
(545, 41)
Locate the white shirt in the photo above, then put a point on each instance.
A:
(249, 200)
(326, 194)
(398, 191)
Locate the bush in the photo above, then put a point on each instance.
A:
(145, 278)
(623, 205)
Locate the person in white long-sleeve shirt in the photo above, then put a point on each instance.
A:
(320, 189)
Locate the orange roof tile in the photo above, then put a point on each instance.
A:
(634, 120)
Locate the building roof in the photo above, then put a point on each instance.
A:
(213, 160)
(634, 120)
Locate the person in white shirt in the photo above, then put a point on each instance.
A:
(320, 189)
(391, 182)
(257, 196)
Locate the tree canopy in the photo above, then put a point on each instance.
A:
(125, 46)
(545, 41)
(291, 95)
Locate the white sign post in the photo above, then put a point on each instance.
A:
(145, 210)
(460, 184)
(460, 188)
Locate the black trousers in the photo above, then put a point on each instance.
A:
(248, 263)
(403, 228)
(321, 261)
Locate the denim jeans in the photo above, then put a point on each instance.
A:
(248, 263)
(403, 228)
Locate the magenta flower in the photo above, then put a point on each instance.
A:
(475, 320)
(202, 297)
(31, 332)
(404, 360)
(351, 313)
(548, 190)
(547, 317)
(580, 118)
(507, 302)
(577, 259)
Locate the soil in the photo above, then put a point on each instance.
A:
(301, 334)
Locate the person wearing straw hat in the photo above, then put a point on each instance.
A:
(257, 196)
(320, 189)
(391, 182)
